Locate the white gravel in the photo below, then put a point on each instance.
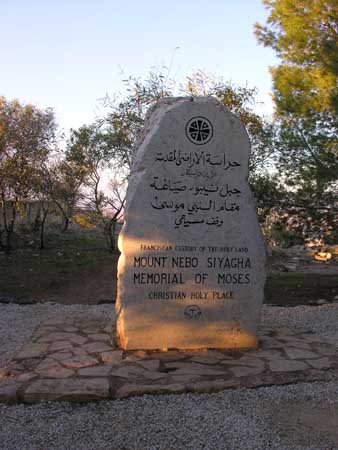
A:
(321, 320)
(17, 323)
(295, 417)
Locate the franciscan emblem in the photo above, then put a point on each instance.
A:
(192, 312)
(199, 130)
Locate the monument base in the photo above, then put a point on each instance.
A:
(182, 337)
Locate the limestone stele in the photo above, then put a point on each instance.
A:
(192, 267)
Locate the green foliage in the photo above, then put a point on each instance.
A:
(27, 137)
(307, 153)
(90, 152)
(88, 148)
(124, 120)
(304, 35)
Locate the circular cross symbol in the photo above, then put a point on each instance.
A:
(199, 130)
(192, 312)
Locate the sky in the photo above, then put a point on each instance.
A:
(68, 54)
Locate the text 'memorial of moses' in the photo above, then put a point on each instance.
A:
(192, 267)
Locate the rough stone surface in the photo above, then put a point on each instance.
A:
(246, 371)
(268, 354)
(112, 357)
(47, 364)
(96, 371)
(9, 391)
(285, 365)
(26, 377)
(77, 362)
(193, 368)
(191, 271)
(56, 372)
(99, 337)
(129, 390)
(57, 336)
(65, 374)
(321, 363)
(152, 364)
(295, 353)
(211, 386)
(4, 372)
(70, 389)
(245, 361)
(60, 345)
(32, 351)
(97, 347)
(137, 372)
(61, 356)
(268, 342)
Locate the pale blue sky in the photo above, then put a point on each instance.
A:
(68, 54)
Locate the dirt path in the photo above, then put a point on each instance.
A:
(89, 281)
(89, 286)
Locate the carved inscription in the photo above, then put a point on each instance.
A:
(232, 268)
(193, 197)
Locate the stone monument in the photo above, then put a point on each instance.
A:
(192, 267)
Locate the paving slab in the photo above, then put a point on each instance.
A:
(112, 357)
(99, 337)
(76, 362)
(61, 345)
(9, 391)
(79, 361)
(285, 365)
(32, 351)
(96, 371)
(321, 363)
(97, 347)
(129, 390)
(150, 364)
(295, 353)
(72, 389)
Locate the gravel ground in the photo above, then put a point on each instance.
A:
(17, 323)
(295, 417)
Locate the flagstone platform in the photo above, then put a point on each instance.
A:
(77, 360)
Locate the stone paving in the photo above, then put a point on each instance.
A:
(78, 360)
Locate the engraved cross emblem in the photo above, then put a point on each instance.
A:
(192, 312)
(199, 130)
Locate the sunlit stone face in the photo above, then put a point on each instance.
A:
(191, 272)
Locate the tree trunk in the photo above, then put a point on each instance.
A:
(36, 223)
(4, 218)
(9, 226)
(2, 247)
(110, 235)
(113, 240)
(42, 229)
(65, 224)
(65, 217)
